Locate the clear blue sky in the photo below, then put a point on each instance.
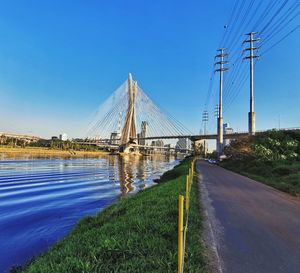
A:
(60, 59)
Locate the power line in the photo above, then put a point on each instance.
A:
(270, 19)
(279, 41)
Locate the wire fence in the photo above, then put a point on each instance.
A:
(183, 210)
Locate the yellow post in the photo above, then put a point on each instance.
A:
(191, 177)
(187, 193)
(180, 234)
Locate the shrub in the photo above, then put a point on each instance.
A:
(282, 171)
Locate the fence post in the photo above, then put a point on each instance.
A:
(193, 163)
(187, 192)
(180, 233)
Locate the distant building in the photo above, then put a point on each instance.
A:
(54, 138)
(144, 133)
(115, 138)
(157, 143)
(169, 146)
(183, 144)
(63, 137)
(227, 130)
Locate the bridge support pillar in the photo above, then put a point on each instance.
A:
(220, 144)
(251, 122)
(128, 149)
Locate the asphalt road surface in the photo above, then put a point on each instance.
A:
(250, 227)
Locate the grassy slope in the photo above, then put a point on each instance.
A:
(135, 235)
(284, 176)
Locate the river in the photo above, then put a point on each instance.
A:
(41, 199)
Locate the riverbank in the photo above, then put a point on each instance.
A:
(38, 151)
(137, 234)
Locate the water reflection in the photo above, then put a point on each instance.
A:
(42, 199)
(130, 172)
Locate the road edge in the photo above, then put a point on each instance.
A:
(212, 228)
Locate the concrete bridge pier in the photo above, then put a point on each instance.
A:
(251, 122)
(220, 137)
(129, 149)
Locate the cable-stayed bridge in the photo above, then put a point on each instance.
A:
(129, 121)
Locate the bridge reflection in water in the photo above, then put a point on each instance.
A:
(43, 198)
(132, 173)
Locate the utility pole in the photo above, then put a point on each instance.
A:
(217, 111)
(251, 115)
(205, 120)
(221, 69)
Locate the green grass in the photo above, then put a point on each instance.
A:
(282, 175)
(138, 234)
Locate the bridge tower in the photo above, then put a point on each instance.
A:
(129, 129)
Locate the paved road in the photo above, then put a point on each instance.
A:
(250, 227)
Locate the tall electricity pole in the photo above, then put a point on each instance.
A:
(221, 69)
(251, 115)
(205, 120)
(217, 111)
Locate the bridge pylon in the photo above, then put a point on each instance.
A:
(129, 129)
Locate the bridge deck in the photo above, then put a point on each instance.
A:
(196, 137)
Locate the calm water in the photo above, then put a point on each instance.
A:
(42, 199)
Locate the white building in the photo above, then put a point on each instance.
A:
(115, 138)
(183, 144)
(63, 137)
(157, 143)
(227, 130)
(144, 133)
